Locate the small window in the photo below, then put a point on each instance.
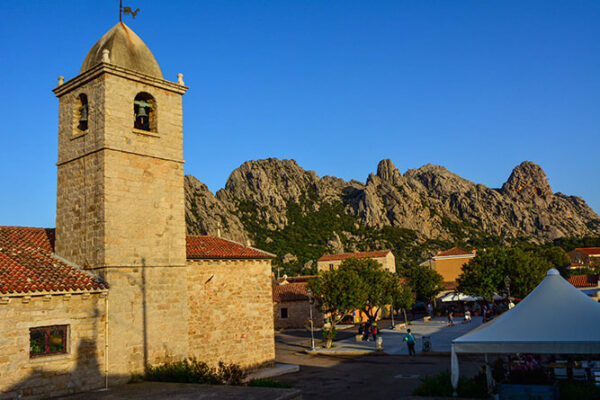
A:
(144, 110)
(82, 113)
(47, 340)
(284, 313)
(330, 265)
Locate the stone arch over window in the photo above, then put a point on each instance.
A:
(144, 110)
(82, 112)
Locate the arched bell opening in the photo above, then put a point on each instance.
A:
(144, 110)
(83, 113)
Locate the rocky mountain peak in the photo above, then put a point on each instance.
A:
(430, 201)
(388, 172)
(528, 179)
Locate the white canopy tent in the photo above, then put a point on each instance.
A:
(555, 318)
(456, 296)
(453, 296)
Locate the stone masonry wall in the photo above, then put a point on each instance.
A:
(298, 315)
(80, 186)
(231, 312)
(80, 369)
(144, 195)
(147, 318)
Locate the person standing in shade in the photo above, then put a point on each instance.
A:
(409, 338)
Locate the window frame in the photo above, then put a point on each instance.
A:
(47, 330)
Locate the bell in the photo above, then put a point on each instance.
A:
(84, 113)
(142, 112)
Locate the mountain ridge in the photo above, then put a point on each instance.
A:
(268, 199)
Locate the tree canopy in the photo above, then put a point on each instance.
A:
(485, 274)
(375, 286)
(337, 292)
(425, 281)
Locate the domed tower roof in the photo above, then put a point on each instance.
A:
(127, 50)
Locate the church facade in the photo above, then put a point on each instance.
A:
(118, 284)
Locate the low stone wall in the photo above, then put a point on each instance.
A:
(230, 312)
(80, 368)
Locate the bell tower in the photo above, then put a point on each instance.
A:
(120, 194)
(120, 199)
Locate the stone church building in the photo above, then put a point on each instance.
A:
(118, 285)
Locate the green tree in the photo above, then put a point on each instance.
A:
(402, 294)
(337, 292)
(375, 284)
(425, 281)
(484, 275)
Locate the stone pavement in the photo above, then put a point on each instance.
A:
(441, 338)
(186, 391)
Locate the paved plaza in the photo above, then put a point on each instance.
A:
(436, 329)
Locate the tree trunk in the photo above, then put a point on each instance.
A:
(405, 320)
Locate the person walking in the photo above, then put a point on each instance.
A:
(409, 338)
(366, 332)
(450, 318)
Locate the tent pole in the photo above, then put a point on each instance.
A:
(488, 375)
(454, 371)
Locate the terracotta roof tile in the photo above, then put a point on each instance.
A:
(295, 291)
(27, 264)
(455, 251)
(212, 247)
(581, 281)
(364, 254)
(590, 251)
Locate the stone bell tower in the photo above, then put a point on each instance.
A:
(120, 195)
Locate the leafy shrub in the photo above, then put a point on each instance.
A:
(578, 391)
(440, 385)
(268, 382)
(191, 370)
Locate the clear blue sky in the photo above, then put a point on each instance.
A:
(476, 86)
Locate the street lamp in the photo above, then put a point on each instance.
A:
(507, 284)
(312, 334)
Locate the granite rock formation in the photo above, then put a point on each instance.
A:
(430, 200)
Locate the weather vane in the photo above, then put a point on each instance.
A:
(126, 10)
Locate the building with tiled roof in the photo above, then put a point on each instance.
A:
(118, 286)
(384, 257)
(585, 257)
(449, 263)
(583, 281)
(587, 283)
(291, 306)
(28, 265)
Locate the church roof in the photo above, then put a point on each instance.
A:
(127, 50)
(27, 264)
(212, 247)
